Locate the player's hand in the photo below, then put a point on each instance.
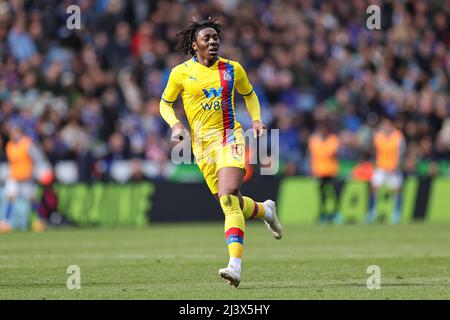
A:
(258, 128)
(179, 133)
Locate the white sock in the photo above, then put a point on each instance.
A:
(268, 214)
(235, 263)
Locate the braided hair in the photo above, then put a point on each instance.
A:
(186, 36)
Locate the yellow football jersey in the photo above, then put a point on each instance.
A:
(208, 96)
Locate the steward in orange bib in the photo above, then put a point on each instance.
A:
(21, 155)
(323, 148)
(389, 146)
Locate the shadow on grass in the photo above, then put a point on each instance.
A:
(63, 285)
(336, 285)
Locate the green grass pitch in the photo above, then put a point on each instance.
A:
(180, 261)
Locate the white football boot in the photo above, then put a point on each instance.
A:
(231, 275)
(273, 224)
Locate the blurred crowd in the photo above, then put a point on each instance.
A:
(92, 95)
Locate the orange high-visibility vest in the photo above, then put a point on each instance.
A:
(387, 149)
(19, 159)
(324, 162)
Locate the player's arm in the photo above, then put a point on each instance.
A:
(336, 146)
(166, 110)
(245, 89)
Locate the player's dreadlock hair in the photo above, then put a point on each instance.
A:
(186, 36)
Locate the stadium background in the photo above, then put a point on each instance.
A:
(90, 98)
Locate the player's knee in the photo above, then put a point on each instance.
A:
(230, 204)
(225, 198)
(228, 191)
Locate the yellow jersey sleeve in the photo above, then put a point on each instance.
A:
(245, 89)
(170, 95)
(243, 85)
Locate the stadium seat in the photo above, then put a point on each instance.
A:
(66, 171)
(121, 171)
(150, 169)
